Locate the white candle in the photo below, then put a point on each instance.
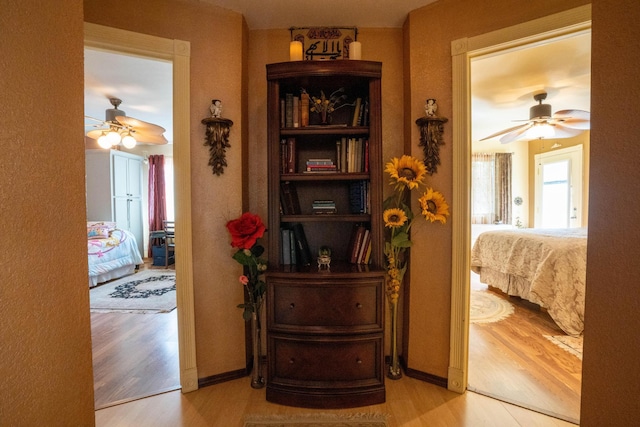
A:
(355, 50)
(295, 51)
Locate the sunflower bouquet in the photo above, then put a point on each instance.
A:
(407, 173)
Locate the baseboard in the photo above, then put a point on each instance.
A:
(429, 378)
(221, 378)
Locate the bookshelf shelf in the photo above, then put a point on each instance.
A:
(325, 328)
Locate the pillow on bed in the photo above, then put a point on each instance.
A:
(99, 229)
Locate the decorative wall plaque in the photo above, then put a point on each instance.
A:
(431, 130)
(323, 43)
(217, 138)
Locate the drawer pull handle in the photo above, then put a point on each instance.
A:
(292, 306)
(291, 361)
(358, 305)
(359, 361)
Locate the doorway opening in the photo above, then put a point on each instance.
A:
(540, 31)
(178, 53)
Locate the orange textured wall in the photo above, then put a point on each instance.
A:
(45, 336)
(431, 30)
(217, 46)
(610, 386)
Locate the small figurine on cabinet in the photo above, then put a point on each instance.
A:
(216, 108)
(324, 258)
(430, 107)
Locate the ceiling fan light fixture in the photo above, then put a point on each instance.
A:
(540, 130)
(113, 137)
(103, 141)
(128, 141)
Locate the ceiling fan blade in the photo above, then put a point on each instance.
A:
(576, 119)
(514, 135)
(149, 138)
(561, 131)
(502, 132)
(95, 134)
(139, 124)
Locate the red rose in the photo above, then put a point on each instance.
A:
(246, 230)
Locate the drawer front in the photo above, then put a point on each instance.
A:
(335, 306)
(330, 362)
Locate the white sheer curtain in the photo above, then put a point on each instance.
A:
(491, 188)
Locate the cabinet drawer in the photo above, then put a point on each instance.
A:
(326, 362)
(331, 308)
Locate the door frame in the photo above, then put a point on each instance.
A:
(179, 53)
(462, 51)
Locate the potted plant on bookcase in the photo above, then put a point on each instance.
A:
(245, 232)
(407, 173)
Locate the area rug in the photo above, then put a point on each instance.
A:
(570, 344)
(488, 308)
(148, 291)
(317, 420)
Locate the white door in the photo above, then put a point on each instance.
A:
(558, 188)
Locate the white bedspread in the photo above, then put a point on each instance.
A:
(112, 257)
(544, 266)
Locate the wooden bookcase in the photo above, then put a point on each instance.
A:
(325, 328)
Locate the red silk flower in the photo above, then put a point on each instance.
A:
(246, 230)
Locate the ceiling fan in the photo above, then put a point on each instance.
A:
(118, 128)
(541, 124)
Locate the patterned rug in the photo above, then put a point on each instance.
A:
(488, 308)
(568, 343)
(148, 291)
(317, 420)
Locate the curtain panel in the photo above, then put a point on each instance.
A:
(491, 188)
(157, 197)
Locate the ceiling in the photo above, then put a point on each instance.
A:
(502, 85)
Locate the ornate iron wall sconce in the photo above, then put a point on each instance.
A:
(217, 138)
(431, 130)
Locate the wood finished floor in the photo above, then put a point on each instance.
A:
(505, 363)
(511, 360)
(134, 355)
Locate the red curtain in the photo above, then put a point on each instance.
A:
(157, 198)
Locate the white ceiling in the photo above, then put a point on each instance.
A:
(502, 86)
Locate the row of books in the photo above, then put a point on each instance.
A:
(294, 111)
(352, 156)
(359, 197)
(361, 112)
(294, 246)
(359, 251)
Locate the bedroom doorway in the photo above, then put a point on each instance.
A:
(464, 51)
(178, 53)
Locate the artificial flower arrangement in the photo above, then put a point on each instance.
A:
(245, 232)
(328, 105)
(407, 173)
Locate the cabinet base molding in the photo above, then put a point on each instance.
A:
(325, 400)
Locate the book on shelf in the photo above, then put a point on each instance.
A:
(364, 113)
(357, 237)
(356, 112)
(289, 198)
(366, 238)
(288, 110)
(283, 110)
(296, 111)
(304, 109)
(323, 207)
(293, 248)
(291, 155)
(285, 246)
(303, 253)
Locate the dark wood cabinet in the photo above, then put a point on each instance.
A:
(325, 327)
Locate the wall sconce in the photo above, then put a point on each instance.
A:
(217, 137)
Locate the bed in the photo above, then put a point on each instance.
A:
(113, 252)
(544, 266)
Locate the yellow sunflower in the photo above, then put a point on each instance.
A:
(406, 170)
(434, 206)
(394, 217)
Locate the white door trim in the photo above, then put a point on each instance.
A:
(462, 51)
(179, 52)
